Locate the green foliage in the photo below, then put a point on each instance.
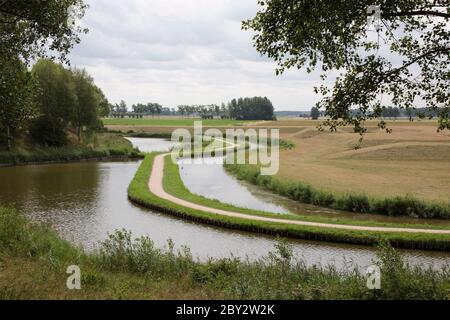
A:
(397, 206)
(46, 131)
(17, 94)
(401, 281)
(170, 122)
(315, 113)
(279, 275)
(51, 154)
(332, 35)
(121, 253)
(68, 97)
(88, 101)
(18, 236)
(104, 107)
(139, 193)
(29, 29)
(57, 98)
(256, 108)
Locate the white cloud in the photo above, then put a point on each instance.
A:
(183, 52)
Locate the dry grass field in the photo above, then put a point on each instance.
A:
(413, 160)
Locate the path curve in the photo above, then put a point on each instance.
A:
(155, 185)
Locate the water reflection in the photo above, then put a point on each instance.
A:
(211, 181)
(152, 145)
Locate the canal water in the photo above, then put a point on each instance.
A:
(84, 202)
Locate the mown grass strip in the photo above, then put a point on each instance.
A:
(139, 193)
(173, 184)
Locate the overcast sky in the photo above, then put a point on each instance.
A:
(183, 52)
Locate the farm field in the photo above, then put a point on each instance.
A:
(413, 160)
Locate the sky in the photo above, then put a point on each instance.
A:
(183, 52)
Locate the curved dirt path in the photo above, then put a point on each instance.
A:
(156, 187)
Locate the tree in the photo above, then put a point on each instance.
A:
(315, 113)
(181, 110)
(157, 108)
(104, 107)
(122, 107)
(29, 29)
(57, 97)
(151, 109)
(85, 114)
(17, 97)
(333, 35)
(256, 108)
(56, 103)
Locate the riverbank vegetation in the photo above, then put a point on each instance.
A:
(360, 203)
(99, 146)
(61, 120)
(48, 111)
(34, 260)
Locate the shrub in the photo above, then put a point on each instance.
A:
(46, 131)
(353, 203)
(298, 191)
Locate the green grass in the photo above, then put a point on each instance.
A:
(173, 184)
(358, 203)
(102, 145)
(33, 263)
(170, 122)
(139, 193)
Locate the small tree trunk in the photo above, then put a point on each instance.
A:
(9, 138)
(79, 134)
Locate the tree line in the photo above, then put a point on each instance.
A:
(256, 108)
(67, 100)
(48, 97)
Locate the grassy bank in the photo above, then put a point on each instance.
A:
(173, 184)
(98, 146)
(360, 203)
(33, 263)
(139, 193)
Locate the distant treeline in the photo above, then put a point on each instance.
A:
(395, 112)
(256, 108)
(386, 112)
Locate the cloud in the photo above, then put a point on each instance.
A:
(183, 52)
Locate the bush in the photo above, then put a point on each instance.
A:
(279, 275)
(46, 131)
(298, 191)
(353, 203)
(18, 237)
